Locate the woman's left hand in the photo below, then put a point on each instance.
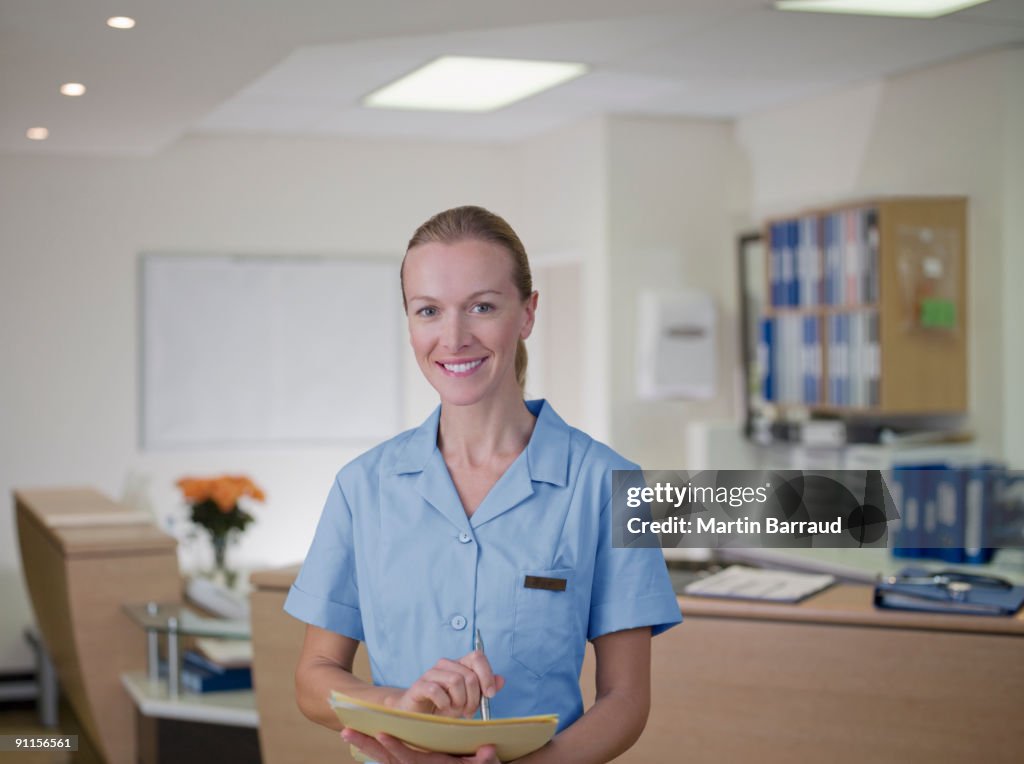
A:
(389, 750)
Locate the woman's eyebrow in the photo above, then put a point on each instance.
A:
(471, 297)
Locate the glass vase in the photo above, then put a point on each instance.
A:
(222, 573)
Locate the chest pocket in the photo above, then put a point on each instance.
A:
(546, 622)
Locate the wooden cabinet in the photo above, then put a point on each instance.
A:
(831, 679)
(866, 309)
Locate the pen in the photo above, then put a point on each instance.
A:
(485, 702)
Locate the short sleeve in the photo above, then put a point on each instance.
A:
(631, 587)
(326, 591)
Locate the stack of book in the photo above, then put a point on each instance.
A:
(215, 665)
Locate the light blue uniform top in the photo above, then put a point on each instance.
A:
(397, 564)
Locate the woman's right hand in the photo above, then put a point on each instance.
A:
(452, 688)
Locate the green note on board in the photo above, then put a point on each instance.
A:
(937, 313)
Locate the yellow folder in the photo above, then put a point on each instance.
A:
(513, 737)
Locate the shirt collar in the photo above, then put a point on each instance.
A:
(547, 453)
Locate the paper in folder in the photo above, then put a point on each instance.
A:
(513, 737)
(741, 582)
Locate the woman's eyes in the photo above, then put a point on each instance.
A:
(429, 311)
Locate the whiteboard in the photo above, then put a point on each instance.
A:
(260, 350)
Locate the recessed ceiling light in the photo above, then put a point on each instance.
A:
(72, 88)
(37, 133)
(920, 9)
(458, 83)
(120, 22)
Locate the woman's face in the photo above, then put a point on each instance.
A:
(465, 317)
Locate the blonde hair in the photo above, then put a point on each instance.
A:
(477, 224)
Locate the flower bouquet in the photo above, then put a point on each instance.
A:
(215, 508)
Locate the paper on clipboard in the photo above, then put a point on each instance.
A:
(513, 737)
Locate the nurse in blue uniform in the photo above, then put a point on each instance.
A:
(494, 514)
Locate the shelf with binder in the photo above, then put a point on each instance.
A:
(866, 308)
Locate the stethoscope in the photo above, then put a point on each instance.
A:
(956, 584)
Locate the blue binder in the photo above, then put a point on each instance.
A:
(778, 256)
(928, 476)
(793, 238)
(907, 499)
(768, 343)
(949, 514)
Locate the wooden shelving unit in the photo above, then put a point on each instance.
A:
(866, 308)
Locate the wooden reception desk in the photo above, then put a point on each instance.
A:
(84, 556)
(831, 679)
(286, 736)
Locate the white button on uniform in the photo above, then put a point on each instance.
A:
(465, 538)
(458, 623)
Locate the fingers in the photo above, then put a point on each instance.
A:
(487, 754)
(395, 750)
(465, 689)
(400, 753)
(452, 689)
(385, 749)
(481, 667)
(371, 747)
(426, 695)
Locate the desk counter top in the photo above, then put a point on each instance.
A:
(848, 605)
(236, 707)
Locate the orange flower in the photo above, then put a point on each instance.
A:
(224, 490)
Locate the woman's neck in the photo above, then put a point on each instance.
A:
(479, 434)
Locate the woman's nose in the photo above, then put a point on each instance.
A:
(454, 335)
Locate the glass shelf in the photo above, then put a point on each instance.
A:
(173, 621)
(157, 617)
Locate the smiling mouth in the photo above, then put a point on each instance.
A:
(462, 368)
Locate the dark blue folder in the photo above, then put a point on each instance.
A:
(923, 590)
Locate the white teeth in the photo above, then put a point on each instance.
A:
(458, 368)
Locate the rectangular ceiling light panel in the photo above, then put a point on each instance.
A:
(458, 83)
(919, 9)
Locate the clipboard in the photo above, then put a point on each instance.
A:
(513, 737)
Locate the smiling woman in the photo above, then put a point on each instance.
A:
(476, 240)
(493, 518)
(468, 340)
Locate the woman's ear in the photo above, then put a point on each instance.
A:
(531, 315)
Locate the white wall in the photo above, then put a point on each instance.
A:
(70, 233)
(947, 129)
(564, 187)
(677, 195)
(1013, 252)
(556, 355)
(640, 203)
